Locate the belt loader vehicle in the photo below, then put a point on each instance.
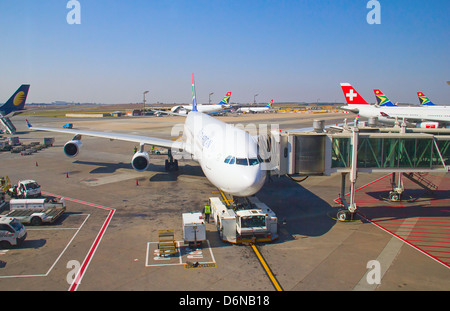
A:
(249, 221)
(35, 211)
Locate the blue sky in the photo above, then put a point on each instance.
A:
(286, 50)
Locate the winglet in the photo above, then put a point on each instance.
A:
(194, 101)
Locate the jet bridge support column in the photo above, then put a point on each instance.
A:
(350, 208)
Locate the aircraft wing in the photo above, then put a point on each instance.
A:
(170, 113)
(159, 142)
(348, 108)
(217, 112)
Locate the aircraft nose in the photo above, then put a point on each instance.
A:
(250, 183)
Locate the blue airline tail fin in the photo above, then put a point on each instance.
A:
(17, 101)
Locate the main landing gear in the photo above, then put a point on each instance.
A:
(171, 165)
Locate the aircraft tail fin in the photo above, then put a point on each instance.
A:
(270, 103)
(424, 101)
(194, 100)
(17, 101)
(226, 99)
(382, 100)
(351, 96)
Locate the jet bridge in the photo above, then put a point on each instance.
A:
(7, 125)
(350, 150)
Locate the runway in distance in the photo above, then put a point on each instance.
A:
(227, 154)
(424, 117)
(224, 103)
(256, 108)
(16, 102)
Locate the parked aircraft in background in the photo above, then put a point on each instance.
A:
(256, 108)
(185, 109)
(419, 116)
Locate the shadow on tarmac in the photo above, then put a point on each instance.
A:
(299, 211)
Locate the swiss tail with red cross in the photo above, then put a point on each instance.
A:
(351, 96)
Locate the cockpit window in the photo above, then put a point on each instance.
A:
(242, 161)
(253, 161)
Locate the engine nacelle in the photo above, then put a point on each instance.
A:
(428, 125)
(72, 148)
(140, 161)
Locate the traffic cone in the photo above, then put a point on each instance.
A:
(137, 182)
(37, 164)
(67, 175)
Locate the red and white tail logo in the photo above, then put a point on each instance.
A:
(351, 96)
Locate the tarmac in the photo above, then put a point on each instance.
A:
(106, 241)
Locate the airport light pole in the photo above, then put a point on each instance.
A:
(210, 97)
(254, 98)
(144, 98)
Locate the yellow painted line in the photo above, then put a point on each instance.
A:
(224, 197)
(266, 268)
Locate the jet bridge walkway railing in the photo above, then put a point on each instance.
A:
(313, 153)
(392, 152)
(365, 150)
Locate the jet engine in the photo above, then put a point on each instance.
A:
(72, 148)
(428, 125)
(140, 161)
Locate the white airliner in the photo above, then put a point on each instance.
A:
(256, 109)
(438, 116)
(185, 109)
(227, 155)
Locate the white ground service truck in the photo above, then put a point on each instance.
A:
(25, 189)
(12, 232)
(194, 229)
(35, 211)
(248, 221)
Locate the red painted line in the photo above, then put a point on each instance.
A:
(438, 252)
(408, 243)
(438, 246)
(426, 232)
(376, 180)
(97, 240)
(430, 237)
(428, 241)
(91, 252)
(417, 226)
